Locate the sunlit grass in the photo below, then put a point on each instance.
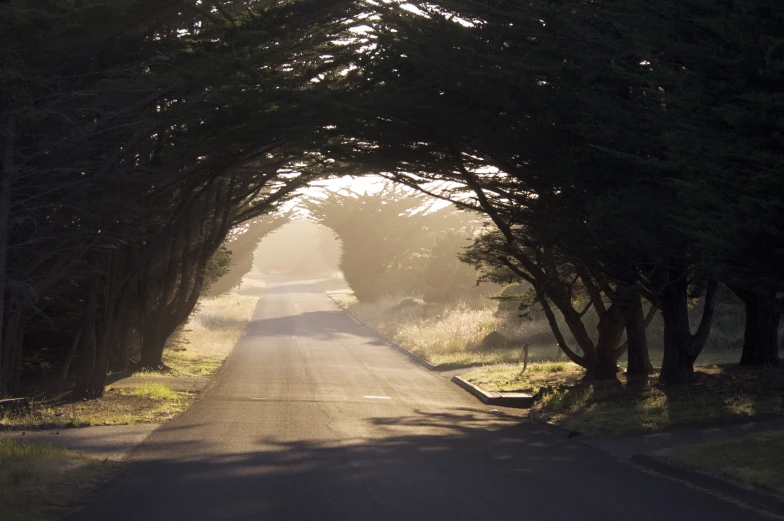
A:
(145, 403)
(512, 378)
(448, 336)
(755, 460)
(196, 351)
(610, 408)
(37, 479)
(210, 334)
(153, 391)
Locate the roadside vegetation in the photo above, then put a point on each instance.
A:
(209, 335)
(196, 351)
(720, 395)
(756, 460)
(38, 481)
(449, 336)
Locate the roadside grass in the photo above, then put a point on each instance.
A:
(144, 403)
(201, 345)
(451, 337)
(197, 350)
(153, 391)
(448, 336)
(756, 460)
(720, 395)
(538, 375)
(37, 481)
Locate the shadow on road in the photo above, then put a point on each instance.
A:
(323, 325)
(426, 466)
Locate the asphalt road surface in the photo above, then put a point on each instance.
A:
(314, 418)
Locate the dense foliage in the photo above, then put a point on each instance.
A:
(394, 242)
(137, 134)
(625, 152)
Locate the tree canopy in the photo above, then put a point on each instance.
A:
(623, 153)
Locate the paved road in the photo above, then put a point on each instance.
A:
(313, 418)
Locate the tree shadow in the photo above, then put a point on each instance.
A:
(455, 465)
(322, 325)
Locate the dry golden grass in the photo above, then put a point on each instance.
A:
(448, 336)
(756, 460)
(37, 480)
(508, 378)
(200, 347)
(144, 403)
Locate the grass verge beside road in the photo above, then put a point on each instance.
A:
(448, 336)
(720, 395)
(200, 347)
(454, 336)
(756, 461)
(198, 350)
(38, 481)
(145, 403)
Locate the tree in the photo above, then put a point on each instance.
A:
(136, 147)
(241, 245)
(387, 237)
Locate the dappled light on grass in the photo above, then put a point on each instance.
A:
(624, 408)
(144, 403)
(513, 378)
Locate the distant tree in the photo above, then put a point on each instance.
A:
(386, 237)
(240, 247)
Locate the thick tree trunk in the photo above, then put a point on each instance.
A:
(639, 362)
(611, 325)
(760, 338)
(681, 348)
(675, 368)
(111, 334)
(153, 342)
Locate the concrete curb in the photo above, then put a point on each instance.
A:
(714, 484)
(551, 428)
(514, 400)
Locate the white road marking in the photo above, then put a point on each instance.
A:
(258, 399)
(378, 397)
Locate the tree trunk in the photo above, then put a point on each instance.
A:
(111, 334)
(639, 363)
(153, 342)
(760, 338)
(11, 361)
(61, 379)
(675, 368)
(6, 174)
(611, 326)
(87, 342)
